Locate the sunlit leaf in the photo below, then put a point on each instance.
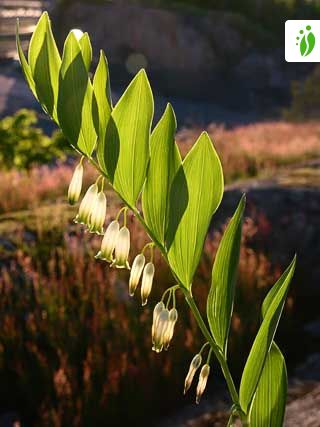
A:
(45, 62)
(102, 91)
(24, 63)
(268, 407)
(196, 193)
(125, 154)
(76, 102)
(86, 49)
(262, 343)
(269, 403)
(164, 163)
(224, 272)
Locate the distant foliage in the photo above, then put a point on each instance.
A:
(23, 144)
(305, 98)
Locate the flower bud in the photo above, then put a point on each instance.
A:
(147, 280)
(159, 330)
(86, 205)
(194, 366)
(135, 274)
(98, 214)
(203, 378)
(109, 242)
(122, 249)
(75, 185)
(156, 313)
(173, 317)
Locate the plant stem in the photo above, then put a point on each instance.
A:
(218, 353)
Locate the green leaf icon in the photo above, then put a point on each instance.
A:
(307, 43)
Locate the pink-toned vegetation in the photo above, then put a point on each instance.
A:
(259, 148)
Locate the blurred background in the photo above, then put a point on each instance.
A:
(74, 349)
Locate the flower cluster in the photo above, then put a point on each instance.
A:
(203, 376)
(146, 270)
(163, 323)
(93, 207)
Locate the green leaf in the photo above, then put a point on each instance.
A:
(269, 403)
(262, 343)
(164, 162)
(45, 62)
(102, 91)
(86, 48)
(76, 101)
(24, 64)
(224, 273)
(125, 153)
(196, 193)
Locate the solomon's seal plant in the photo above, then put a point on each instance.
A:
(173, 199)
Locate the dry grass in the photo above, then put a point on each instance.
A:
(28, 190)
(258, 149)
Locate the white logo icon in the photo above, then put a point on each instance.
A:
(302, 40)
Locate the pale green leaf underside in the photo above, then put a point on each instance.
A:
(164, 162)
(76, 100)
(24, 63)
(224, 272)
(268, 407)
(196, 193)
(45, 62)
(124, 156)
(102, 91)
(262, 343)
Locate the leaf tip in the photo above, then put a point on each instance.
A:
(170, 111)
(242, 203)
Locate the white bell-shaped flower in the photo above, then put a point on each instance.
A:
(156, 313)
(173, 317)
(109, 242)
(203, 378)
(135, 274)
(160, 329)
(75, 185)
(122, 249)
(98, 214)
(194, 366)
(86, 205)
(147, 279)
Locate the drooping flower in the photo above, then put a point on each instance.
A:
(122, 249)
(75, 185)
(194, 366)
(160, 329)
(173, 317)
(135, 274)
(86, 205)
(156, 313)
(203, 378)
(147, 279)
(109, 242)
(98, 214)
